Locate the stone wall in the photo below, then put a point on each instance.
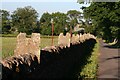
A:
(56, 62)
(28, 45)
(67, 39)
(64, 39)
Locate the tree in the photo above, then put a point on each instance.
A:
(74, 16)
(25, 19)
(59, 20)
(45, 24)
(106, 19)
(6, 25)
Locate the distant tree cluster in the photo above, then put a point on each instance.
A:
(5, 21)
(26, 20)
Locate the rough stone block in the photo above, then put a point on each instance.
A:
(28, 45)
(64, 40)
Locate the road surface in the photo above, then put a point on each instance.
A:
(108, 69)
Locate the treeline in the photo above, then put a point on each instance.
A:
(105, 17)
(26, 20)
(101, 19)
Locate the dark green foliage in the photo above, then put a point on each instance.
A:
(73, 17)
(6, 24)
(45, 24)
(59, 22)
(25, 19)
(105, 18)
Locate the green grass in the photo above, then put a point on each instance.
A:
(90, 69)
(8, 35)
(9, 44)
(48, 41)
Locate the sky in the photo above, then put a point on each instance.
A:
(42, 6)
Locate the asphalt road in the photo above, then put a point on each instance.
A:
(108, 69)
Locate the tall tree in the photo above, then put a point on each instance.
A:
(106, 19)
(59, 21)
(73, 16)
(6, 26)
(25, 19)
(45, 23)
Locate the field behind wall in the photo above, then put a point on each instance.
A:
(9, 44)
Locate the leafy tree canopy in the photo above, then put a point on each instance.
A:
(59, 21)
(6, 26)
(105, 17)
(74, 17)
(25, 19)
(72, 14)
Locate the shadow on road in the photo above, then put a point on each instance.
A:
(117, 57)
(112, 46)
(109, 59)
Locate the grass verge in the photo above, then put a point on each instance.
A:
(90, 69)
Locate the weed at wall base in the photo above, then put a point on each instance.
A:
(90, 69)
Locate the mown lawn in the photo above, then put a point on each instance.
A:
(9, 44)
